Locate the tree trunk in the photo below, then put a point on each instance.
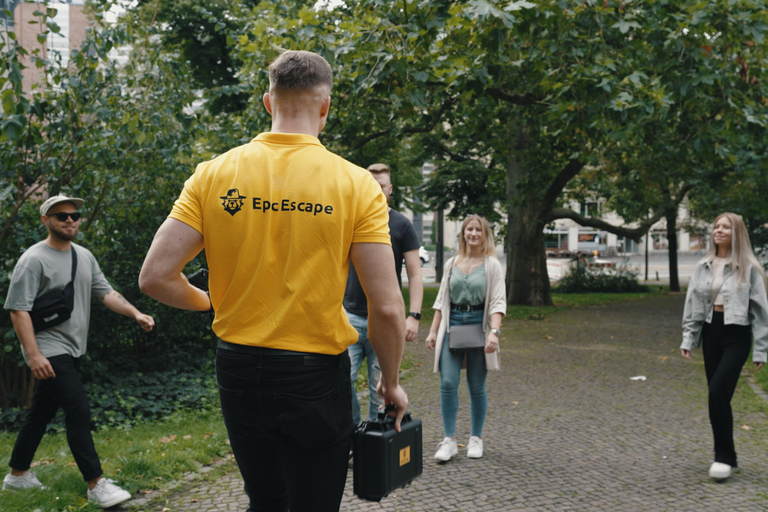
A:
(527, 278)
(674, 279)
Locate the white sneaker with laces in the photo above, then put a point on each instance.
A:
(26, 481)
(475, 448)
(446, 449)
(720, 471)
(106, 494)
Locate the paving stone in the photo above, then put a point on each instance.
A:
(567, 430)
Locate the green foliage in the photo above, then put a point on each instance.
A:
(584, 280)
(203, 32)
(136, 395)
(149, 456)
(121, 138)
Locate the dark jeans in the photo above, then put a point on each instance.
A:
(65, 391)
(726, 349)
(289, 419)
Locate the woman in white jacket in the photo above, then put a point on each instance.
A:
(725, 307)
(471, 292)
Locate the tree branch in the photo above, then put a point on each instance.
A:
(566, 174)
(514, 98)
(418, 129)
(633, 233)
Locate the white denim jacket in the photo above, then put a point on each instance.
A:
(744, 304)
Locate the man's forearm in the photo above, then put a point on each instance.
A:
(22, 324)
(386, 332)
(119, 304)
(178, 292)
(415, 296)
(415, 283)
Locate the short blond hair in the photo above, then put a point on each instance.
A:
(297, 70)
(379, 169)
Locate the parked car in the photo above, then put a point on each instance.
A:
(423, 255)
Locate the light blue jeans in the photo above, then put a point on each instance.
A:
(450, 374)
(357, 353)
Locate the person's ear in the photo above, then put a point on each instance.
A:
(267, 103)
(324, 109)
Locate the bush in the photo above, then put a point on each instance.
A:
(584, 280)
(135, 395)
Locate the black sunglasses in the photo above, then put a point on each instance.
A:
(62, 216)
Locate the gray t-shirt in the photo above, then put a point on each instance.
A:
(43, 269)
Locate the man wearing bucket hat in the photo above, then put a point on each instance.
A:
(54, 353)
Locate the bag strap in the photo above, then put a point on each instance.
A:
(74, 263)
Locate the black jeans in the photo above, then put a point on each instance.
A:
(65, 391)
(726, 349)
(289, 420)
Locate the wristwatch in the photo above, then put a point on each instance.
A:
(497, 332)
(417, 316)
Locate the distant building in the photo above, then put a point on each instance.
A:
(70, 18)
(565, 236)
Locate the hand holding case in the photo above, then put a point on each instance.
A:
(384, 459)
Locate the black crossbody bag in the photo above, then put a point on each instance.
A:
(56, 307)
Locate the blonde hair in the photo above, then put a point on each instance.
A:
(741, 253)
(488, 248)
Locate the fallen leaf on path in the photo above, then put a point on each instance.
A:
(167, 439)
(746, 427)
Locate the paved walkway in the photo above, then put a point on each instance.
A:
(568, 430)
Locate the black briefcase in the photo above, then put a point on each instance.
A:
(384, 459)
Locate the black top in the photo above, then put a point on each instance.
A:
(404, 239)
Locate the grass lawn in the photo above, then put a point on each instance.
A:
(144, 458)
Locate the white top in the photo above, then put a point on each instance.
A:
(718, 264)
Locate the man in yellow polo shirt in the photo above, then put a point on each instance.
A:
(280, 219)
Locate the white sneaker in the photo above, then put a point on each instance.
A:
(446, 449)
(720, 471)
(475, 448)
(106, 494)
(26, 481)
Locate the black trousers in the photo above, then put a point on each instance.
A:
(65, 391)
(726, 349)
(289, 419)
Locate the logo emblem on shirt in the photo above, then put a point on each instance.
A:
(233, 201)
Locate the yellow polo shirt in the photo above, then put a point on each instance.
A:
(278, 217)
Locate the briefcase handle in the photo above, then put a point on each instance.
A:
(384, 421)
